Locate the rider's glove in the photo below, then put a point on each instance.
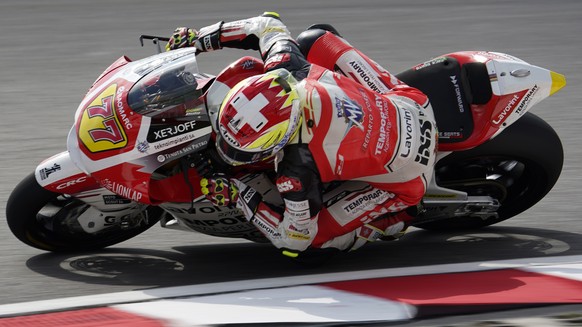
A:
(182, 37)
(248, 199)
(207, 39)
(219, 190)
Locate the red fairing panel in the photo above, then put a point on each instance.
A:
(122, 61)
(136, 190)
(73, 184)
(487, 118)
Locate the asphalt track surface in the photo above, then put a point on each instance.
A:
(51, 52)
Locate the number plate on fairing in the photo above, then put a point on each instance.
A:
(100, 129)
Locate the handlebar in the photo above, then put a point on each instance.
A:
(155, 39)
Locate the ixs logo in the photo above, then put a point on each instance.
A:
(426, 136)
(287, 184)
(100, 128)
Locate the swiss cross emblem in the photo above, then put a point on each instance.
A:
(248, 112)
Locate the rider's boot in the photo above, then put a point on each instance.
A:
(387, 228)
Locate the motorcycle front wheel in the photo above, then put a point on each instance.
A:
(46, 220)
(518, 168)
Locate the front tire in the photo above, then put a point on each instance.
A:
(31, 221)
(518, 167)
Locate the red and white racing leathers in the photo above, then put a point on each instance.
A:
(359, 124)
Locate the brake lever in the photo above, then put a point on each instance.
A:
(155, 40)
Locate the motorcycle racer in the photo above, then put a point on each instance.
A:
(323, 112)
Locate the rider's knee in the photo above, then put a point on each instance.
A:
(307, 38)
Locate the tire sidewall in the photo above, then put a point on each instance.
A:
(28, 198)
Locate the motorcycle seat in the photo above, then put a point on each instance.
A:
(451, 89)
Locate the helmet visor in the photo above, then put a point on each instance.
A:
(236, 157)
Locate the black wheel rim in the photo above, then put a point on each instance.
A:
(509, 180)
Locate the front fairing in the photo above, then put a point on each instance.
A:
(121, 148)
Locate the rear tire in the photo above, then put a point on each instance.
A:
(529, 157)
(23, 214)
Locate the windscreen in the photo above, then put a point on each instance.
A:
(170, 89)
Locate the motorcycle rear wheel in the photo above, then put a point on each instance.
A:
(518, 167)
(31, 221)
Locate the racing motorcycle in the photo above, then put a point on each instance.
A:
(125, 169)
